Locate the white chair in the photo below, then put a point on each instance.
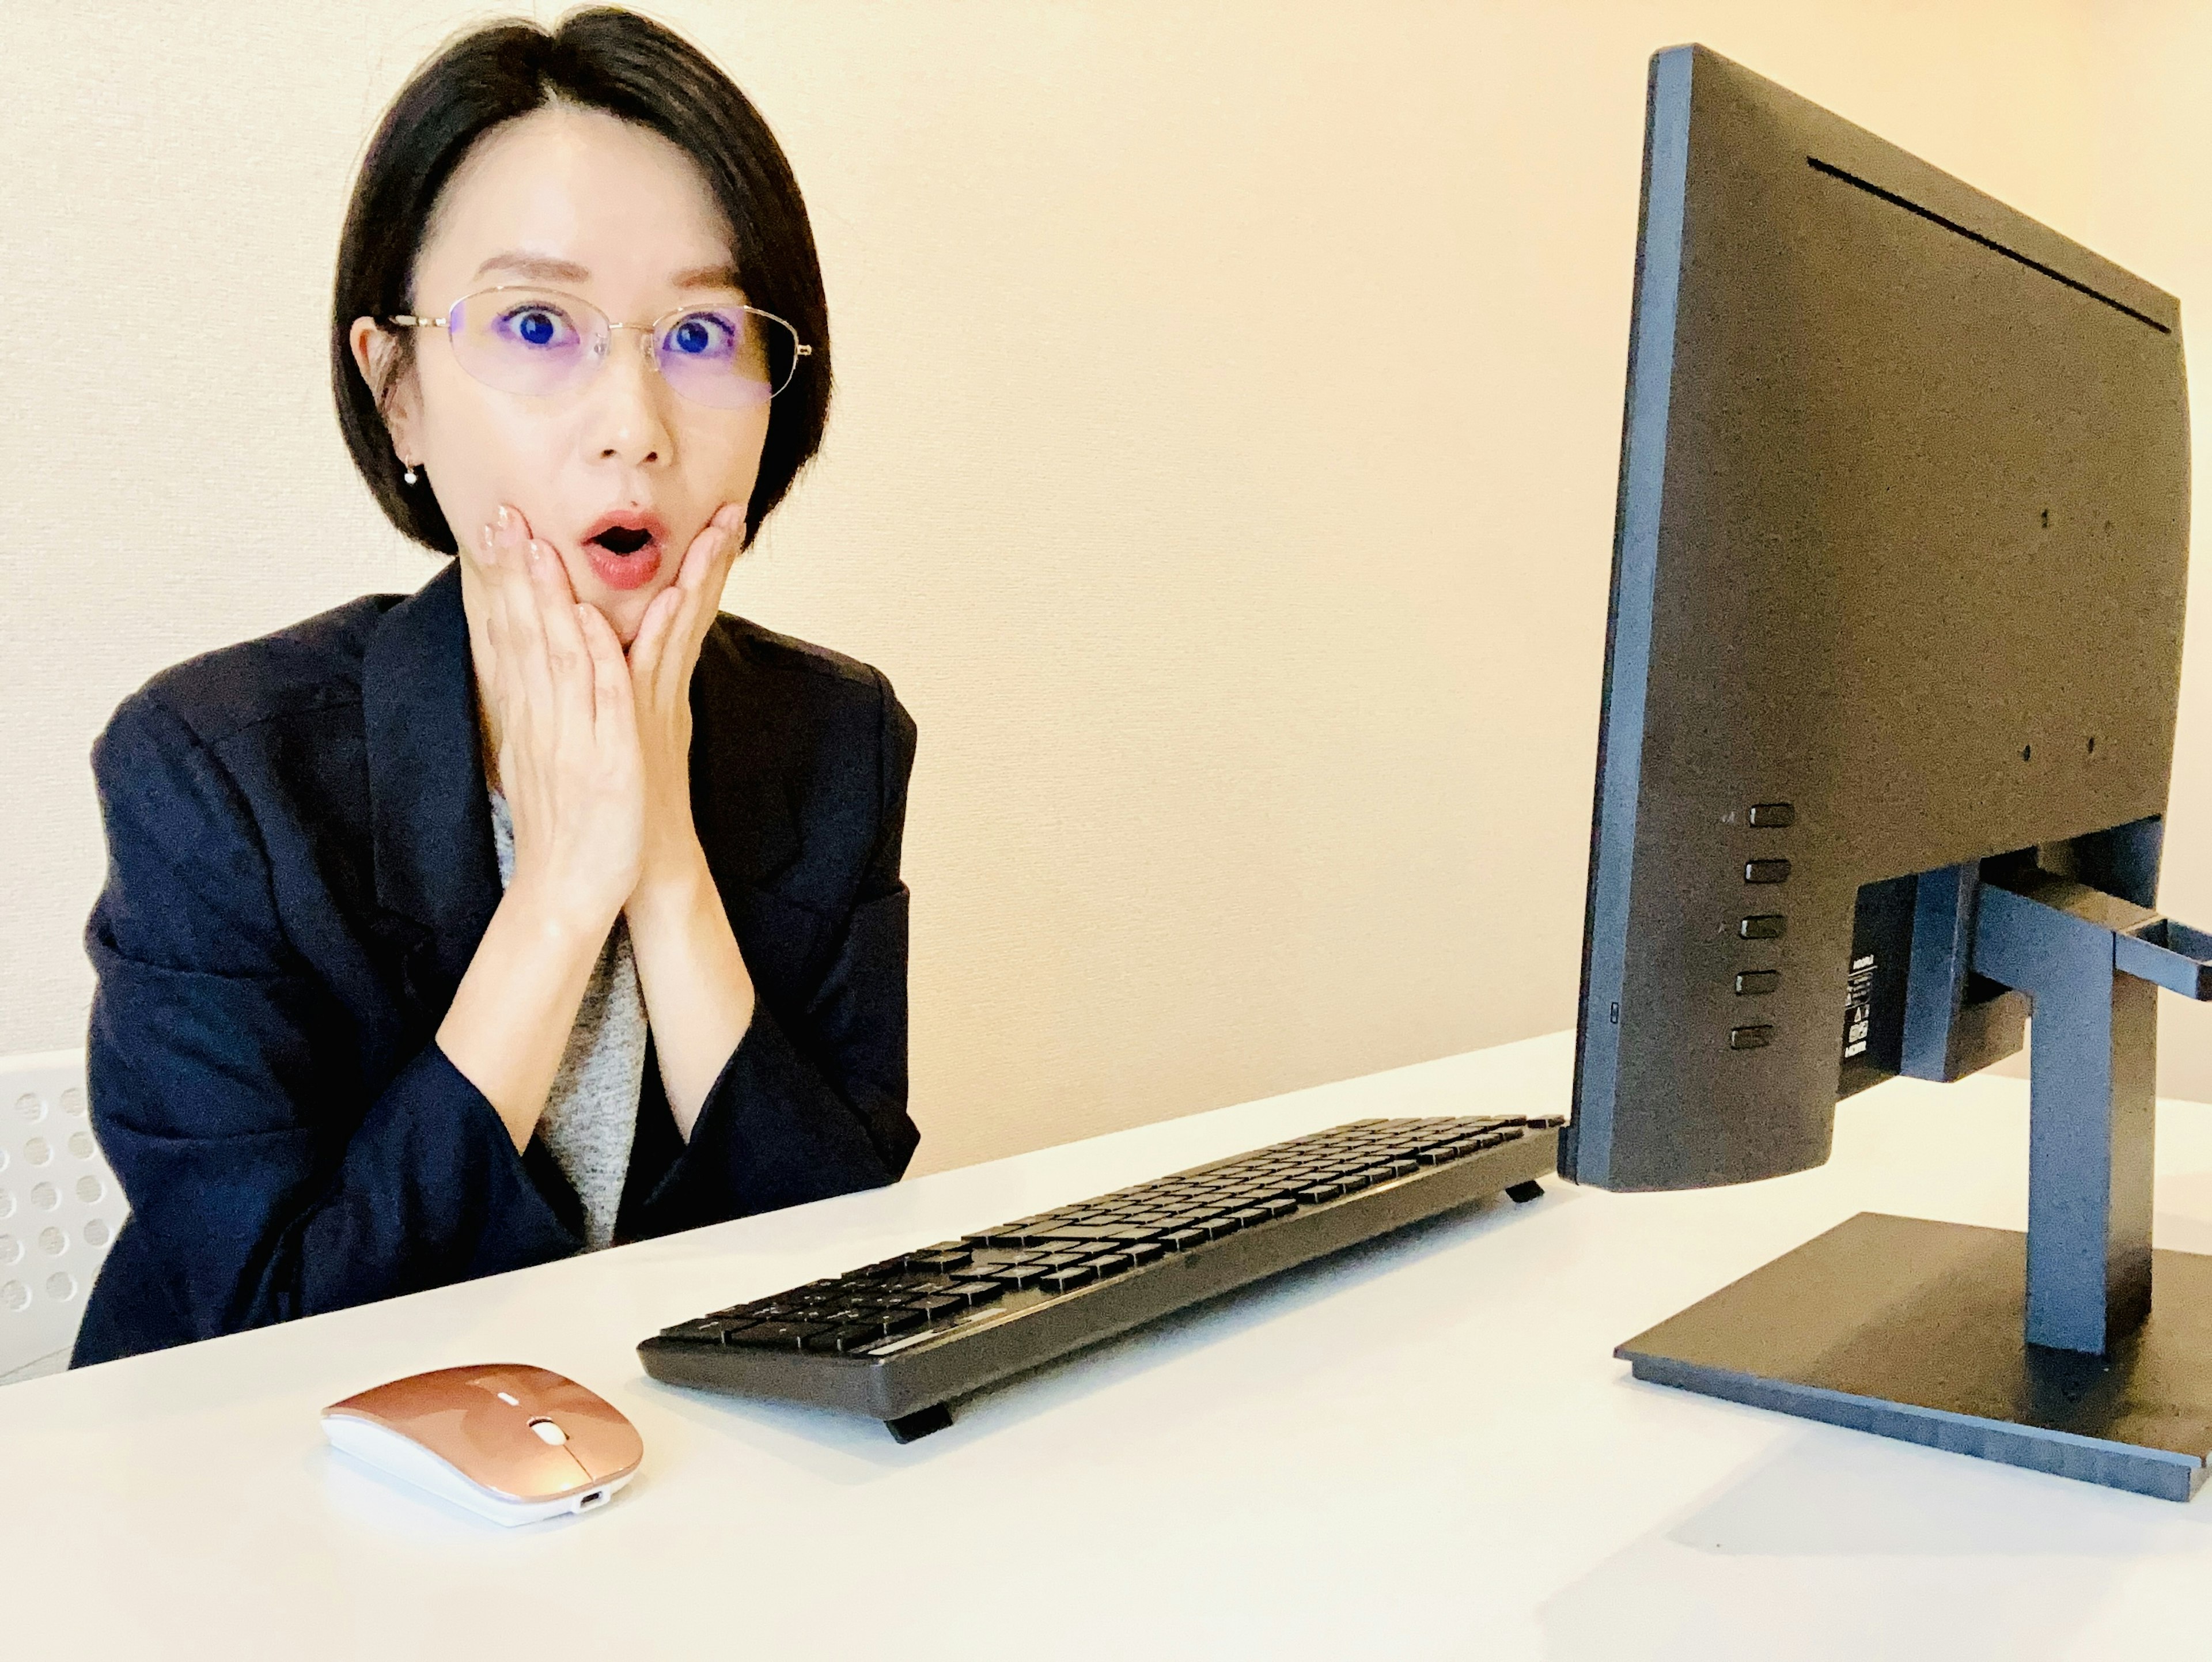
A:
(59, 1209)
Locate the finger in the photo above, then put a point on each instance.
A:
(612, 717)
(652, 633)
(504, 574)
(664, 628)
(499, 542)
(569, 661)
(477, 556)
(702, 602)
(499, 653)
(693, 571)
(531, 693)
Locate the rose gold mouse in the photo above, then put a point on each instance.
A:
(511, 1443)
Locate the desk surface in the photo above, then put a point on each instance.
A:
(1422, 1449)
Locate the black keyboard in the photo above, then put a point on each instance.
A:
(899, 1340)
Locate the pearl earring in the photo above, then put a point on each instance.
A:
(409, 474)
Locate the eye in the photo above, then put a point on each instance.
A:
(536, 326)
(702, 335)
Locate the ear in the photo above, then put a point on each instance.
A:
(374, 348)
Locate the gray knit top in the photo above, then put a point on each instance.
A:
(591, 1116)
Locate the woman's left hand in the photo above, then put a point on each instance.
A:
(661, 660)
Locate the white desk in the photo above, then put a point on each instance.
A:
(1423, 1450)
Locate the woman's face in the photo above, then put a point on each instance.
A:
(579, 200)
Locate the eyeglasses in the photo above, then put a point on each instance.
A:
(538, 342)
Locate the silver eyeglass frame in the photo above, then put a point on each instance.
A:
(650, 330)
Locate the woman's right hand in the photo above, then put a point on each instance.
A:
(557, 690)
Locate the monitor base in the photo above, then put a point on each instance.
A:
(1913, 1329)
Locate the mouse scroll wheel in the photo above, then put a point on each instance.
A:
(549, 1433)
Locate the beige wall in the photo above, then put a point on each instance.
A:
(1224, 466)
(2151, 209)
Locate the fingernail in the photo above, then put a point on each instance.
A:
(537, 555)
(504, 518)
(484, 539)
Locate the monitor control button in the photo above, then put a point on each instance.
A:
(1750, 1038)
(1767, 870)
(1772, 815)
(1767, 928)
(1750, 983)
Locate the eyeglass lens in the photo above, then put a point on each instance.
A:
(539, 341)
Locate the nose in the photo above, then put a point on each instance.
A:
(628, 413)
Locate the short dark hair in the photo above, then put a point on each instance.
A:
(603, 58)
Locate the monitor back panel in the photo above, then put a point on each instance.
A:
(1901, 545)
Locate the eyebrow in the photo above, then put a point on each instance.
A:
(547, 269)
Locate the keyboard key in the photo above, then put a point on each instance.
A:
(1280, 1208)
(1016, 1276)
(1107, 1263)
(1319, 1192)
(937, 1306)
(940, 1260)
(1144, 1253)
(774, 1336)
(1246, 1216)
(841, 1339)
(975, 1293)
(1217, 1227)
(1374, 1174)
(1181, 1240)
(1063, 1279)
(707, 1328)
(1014, 1235)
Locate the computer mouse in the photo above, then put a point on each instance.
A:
(510, 1442)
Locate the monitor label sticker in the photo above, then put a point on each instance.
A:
(1858, 1005)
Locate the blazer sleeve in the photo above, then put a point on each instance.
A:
(813, 1101)
(264, 1181)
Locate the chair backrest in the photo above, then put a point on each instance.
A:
(59, 1209)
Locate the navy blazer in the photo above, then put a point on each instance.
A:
(299, 868)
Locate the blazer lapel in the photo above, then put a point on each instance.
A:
(431, 820)
(738, 803)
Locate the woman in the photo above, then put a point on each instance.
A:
(547, 907)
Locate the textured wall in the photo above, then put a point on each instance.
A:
(1223, 468)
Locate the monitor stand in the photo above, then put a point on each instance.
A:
(2048, 1349)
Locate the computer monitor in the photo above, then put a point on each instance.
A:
(1891, 669)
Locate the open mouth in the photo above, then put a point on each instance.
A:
(622, 539)
(624, 548)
